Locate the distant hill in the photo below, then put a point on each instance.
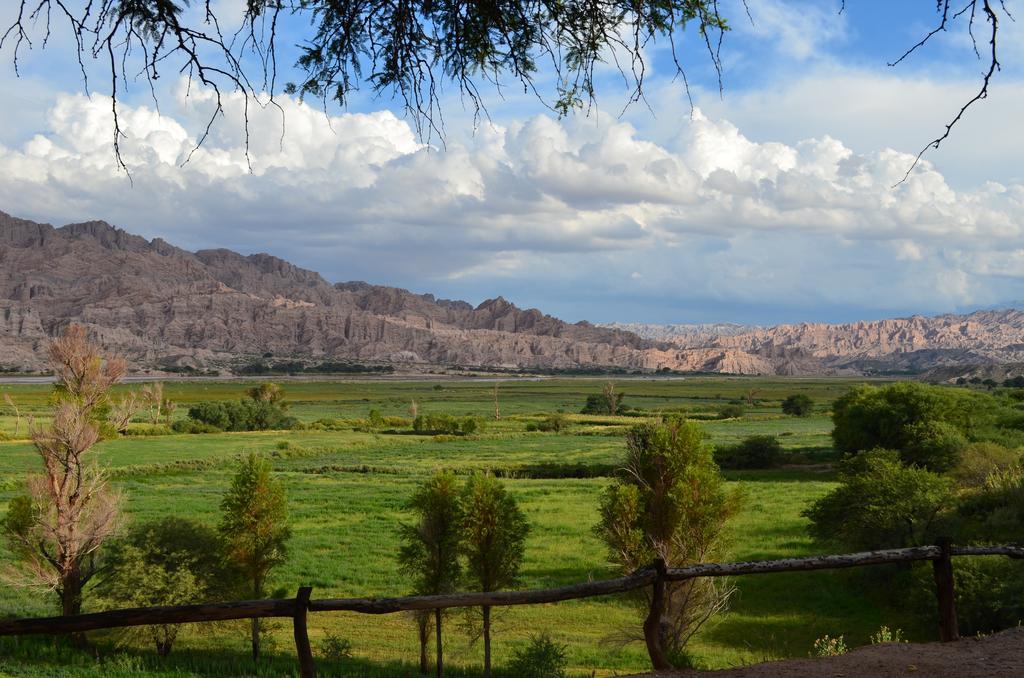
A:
(165, 307)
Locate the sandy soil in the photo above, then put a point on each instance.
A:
(999, 655)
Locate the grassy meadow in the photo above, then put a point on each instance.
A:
(346, 491)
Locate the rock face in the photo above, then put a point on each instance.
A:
(914, 344)
(161, 306)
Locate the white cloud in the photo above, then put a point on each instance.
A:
(798, 30)
(539, 204)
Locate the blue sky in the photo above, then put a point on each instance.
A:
(771, 203)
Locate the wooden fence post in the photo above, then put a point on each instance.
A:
(942, 568)
(652, 625)
(307, 669)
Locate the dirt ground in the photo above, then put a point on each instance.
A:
(994, 656)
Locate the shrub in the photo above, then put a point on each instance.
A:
(335, 649)
(827, 646)
(192, 426)
(885, 635)
(532, 426)
(554, 422)
(798, 405)
(754, 452)
(979, 460)
(542, 658)
(376, 420)
(242, 415)
(445, 424)
(169, 561)
(989, 594)
(880, 503)
(932, 444)
(730, 411)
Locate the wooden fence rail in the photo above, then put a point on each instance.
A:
(655, 576)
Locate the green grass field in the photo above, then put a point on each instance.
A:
(346, 491)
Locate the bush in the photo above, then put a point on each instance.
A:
(979, 460)
(242, 415)
(933, 445)
(798, 405)
(554, 422)
(895, 416)
(989, 594)
(335, 649)
(829, 647)
(445, 424)
(542, 658)
(730, 411)
(169, 561)
(193, 426)
(755, 452)
(880, 503)
(887, 635)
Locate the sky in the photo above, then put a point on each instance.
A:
(773, 201)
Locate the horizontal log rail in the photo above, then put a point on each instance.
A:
(638, 580)
(296, 608)
(149, 616)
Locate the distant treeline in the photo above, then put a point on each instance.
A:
(297, 367)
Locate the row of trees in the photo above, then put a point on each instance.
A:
(470, 535)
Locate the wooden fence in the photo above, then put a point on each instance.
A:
(655, 576)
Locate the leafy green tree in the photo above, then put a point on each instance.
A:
(494, 531)
(669, 503)
(430, 548)
(925, 423)
(255, 530)
(753, 452)
(798, 405)
(880, 503)
(168, 561)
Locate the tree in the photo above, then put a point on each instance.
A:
(670, 504)
(494, 533)
(753, 452)
(413, 49)
(153, 397)
(609, 401)
(798, 405)
(255, 529)
(17, 413)
(168, 561)
(880, 503)
(430, 548)
(268, 392)
(122, 411)
(928, 425)
(57, 528)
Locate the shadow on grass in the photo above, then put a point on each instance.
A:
(48, 656)
(780, 615)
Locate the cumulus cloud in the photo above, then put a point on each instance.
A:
(532, 206)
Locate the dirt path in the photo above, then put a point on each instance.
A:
(1000, 655)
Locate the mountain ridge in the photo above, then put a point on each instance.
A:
(166, 307)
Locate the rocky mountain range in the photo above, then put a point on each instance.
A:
(165, 307)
